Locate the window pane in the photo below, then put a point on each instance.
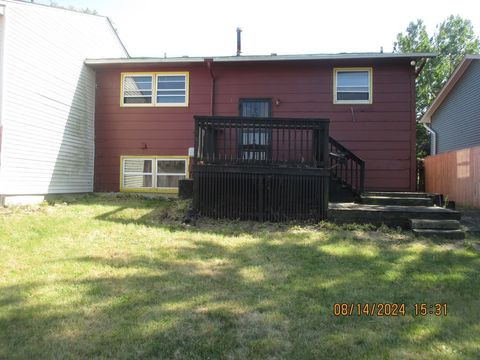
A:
(137, 100)
(133, 85)
(171, 92)
(169, 180)
(171, 78)
(138, 93)
(170, 85)
(137, 165)
(171, 99)
(352, 89)
(352, 78)
(137, 181)
(352, 96)
(171, 166)
(136, 83)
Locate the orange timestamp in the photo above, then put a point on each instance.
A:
(388, 309)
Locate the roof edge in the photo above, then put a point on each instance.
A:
(31, 3)
(448, 87)
(118, 37)
(257, 58)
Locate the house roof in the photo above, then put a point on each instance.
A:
(258, 58)
(448, 87)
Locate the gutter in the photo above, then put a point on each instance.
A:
(433, 137)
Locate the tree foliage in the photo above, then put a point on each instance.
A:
(73, 8)
(453, 39)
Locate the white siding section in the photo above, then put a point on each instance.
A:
(2, 32)
(49, 98)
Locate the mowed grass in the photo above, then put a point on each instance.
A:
(121, 277)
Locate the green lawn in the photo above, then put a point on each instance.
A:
(120, 277)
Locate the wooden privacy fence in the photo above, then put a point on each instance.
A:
(266, 169)
(455, 174)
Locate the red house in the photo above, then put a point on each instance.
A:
(144, 127)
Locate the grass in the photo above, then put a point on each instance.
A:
(120, 277)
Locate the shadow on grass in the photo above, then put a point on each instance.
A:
(269, 295)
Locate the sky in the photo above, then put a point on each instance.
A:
(208, 27)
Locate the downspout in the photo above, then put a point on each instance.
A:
(433, 134)
(209, 63)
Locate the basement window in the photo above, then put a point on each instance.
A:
(352, 86)
(137, 173)
(153, 174)
(155, 89)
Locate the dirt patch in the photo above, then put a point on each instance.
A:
(471, 221)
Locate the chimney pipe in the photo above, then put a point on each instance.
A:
(239, 41)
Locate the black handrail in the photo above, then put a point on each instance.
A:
(346, 167)
(275, 142)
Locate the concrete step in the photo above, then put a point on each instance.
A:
(399, 201)
(435, 224)
(437, 233)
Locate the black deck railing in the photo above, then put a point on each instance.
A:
(346, 167)
(271, 169)
(261, 141)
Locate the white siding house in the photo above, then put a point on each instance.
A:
(47, 98)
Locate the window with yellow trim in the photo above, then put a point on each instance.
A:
(137, 89)
(152, 173)
(137, 173)
(353, 86)
(155, 89)
(171, 89)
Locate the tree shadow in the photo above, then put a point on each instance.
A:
(185, 309)
(247, 293)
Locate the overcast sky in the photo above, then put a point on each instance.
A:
(207, 27)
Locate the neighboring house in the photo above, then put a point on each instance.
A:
(453, 120)
(145, 108)
(47, 98)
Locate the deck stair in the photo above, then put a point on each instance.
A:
(395, 200)
(401, 198)
(447, 229)
(418, 212)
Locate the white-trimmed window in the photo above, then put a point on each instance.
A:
(352, 86)
(137, 90)
(152, 173)
(155, 89)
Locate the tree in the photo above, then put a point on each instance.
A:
(73, 8)
(453, 39)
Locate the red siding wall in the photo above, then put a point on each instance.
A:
(382, 133)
